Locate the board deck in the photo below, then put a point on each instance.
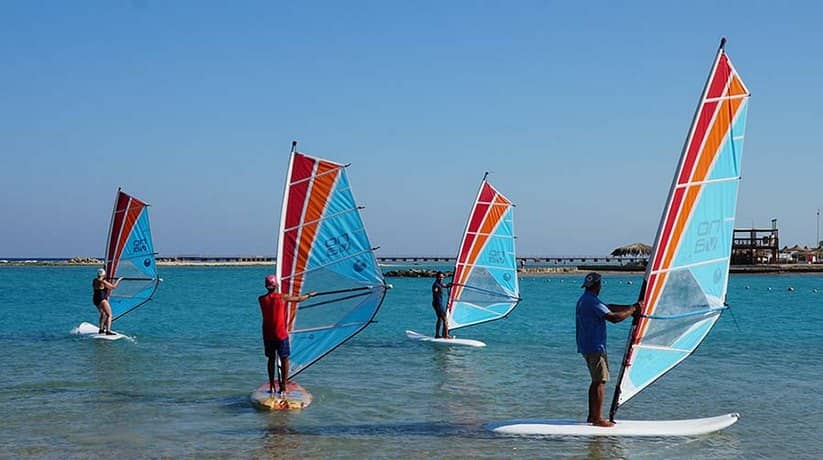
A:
(560, 427)
(424, 338)
(296, 397)
(90, 330)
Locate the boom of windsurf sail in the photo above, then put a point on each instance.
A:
(130, 255)
(687, 275)
(485, 285)
(323, 247)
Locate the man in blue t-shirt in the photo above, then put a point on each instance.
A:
(440, 307)
(591, 316)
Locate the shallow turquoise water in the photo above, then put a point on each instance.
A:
(180, 389)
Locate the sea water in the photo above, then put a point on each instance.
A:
(180, 387)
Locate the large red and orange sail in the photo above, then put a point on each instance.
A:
(323, 247)
(686, 279)
(485, 284)
(130, 255)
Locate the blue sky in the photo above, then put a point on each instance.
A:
(579, 109)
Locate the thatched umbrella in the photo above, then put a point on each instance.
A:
(634, 249)
(797, 248)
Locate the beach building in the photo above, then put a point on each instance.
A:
(754, 246)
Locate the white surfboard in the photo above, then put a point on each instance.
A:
(90, 330)
(425, 338)
(559, 427)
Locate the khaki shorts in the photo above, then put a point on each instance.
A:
(598, 366)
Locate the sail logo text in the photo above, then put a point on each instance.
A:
(337, 245)
(495, 256)
(139, 246)
(707, 232)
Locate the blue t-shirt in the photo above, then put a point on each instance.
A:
(591, 324)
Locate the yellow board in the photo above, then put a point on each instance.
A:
(295, 397)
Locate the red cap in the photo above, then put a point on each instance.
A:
(271, 281)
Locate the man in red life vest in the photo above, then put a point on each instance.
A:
(275, 333)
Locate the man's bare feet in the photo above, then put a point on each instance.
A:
(603, 423)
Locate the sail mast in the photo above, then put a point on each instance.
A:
(279, 260)
(107, 254)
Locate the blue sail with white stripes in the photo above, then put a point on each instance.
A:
(130, 255)
(686, 280)
(485, 285)
(323, 247)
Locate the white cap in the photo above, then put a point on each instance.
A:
(101, 272)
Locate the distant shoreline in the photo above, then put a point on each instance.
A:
(400, 269)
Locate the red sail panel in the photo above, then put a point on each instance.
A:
(117, 217)
(295, 201)
(127, 211)
(310, 185)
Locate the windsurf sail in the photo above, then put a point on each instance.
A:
(323, 247)
(485, 285)
(687, 275)
(130, 255)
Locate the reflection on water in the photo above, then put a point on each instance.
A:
(279, 440)
(604, 448)
(457, 377)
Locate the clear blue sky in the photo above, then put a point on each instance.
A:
(578, 108)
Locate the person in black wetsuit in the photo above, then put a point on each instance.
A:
(101, 287)
(440, 307)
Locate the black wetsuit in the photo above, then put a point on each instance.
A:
(437, 298)
(99, 294)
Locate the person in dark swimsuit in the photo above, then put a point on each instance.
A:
(100, 298)
(440, 307)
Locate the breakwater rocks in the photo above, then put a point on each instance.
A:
(84, 261)
(545, 270)
(424, 273)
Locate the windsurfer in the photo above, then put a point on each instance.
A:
(591, 316)
(101, 288)
(440, 307)
(275, 332)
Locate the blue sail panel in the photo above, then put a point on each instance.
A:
(652, 360)
(708, 234)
